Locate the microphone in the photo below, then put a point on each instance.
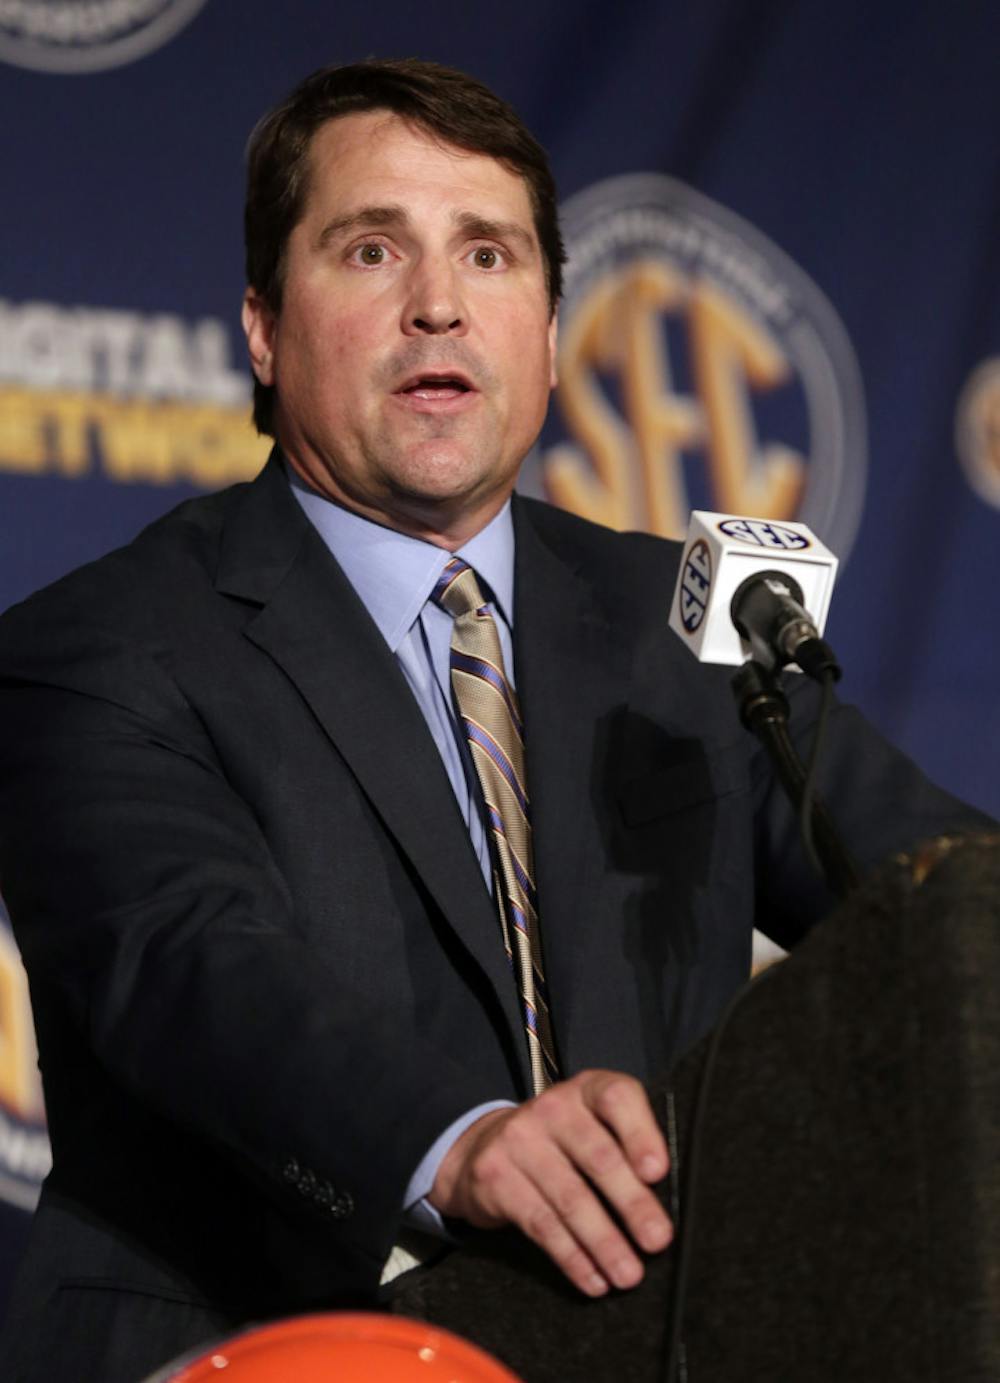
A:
(767, 610)
(755, 588)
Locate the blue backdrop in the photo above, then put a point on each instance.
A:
(783, 297)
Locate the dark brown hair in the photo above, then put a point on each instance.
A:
(449, 104)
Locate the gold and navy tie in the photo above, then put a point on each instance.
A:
(491, 716)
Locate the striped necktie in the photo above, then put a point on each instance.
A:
(489, 710)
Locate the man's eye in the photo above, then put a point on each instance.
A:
(485, 258)
(371, 254)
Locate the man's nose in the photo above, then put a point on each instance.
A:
(434, 305)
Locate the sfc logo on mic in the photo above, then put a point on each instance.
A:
(87, 35)
(761, 533)
(695, 583)
(699, 368)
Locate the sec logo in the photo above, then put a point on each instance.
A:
(699, 368)
(696, 581)
(763, 533)
(88, 35)
(977, 430)
(25, 1155)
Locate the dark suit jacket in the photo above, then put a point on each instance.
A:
(265, 970)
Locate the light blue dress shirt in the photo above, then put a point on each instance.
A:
(394, 576)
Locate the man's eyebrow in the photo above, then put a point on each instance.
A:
(365, 216)
(484, 228)
(394, 215)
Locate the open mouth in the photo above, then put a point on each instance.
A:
(437, 387)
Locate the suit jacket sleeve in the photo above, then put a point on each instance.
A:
(154, 920)
(879, 800)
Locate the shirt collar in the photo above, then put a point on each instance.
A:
(393, 573)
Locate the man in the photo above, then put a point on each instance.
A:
(254, 862)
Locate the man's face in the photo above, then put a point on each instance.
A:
(413, 353)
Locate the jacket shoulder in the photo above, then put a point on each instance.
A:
(125, 587)
(572, 536)
(631, 575)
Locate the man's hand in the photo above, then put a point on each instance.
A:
(540, 1165)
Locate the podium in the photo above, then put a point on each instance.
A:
(846, 1221)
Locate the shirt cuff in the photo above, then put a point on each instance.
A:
(417, 1209)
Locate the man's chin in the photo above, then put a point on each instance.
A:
(446, 476)
(445, 508)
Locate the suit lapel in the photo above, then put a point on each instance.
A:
(314, 626)
(572, 670)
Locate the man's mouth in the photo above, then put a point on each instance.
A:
(437, 387)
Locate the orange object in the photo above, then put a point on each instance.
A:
(342, 1347)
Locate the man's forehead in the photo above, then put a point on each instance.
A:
(353, 127)
(345, 138)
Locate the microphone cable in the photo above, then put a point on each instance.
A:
(812, 772)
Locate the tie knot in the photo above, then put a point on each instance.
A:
(457, 590)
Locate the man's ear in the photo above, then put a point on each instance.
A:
(258, 326)
(553, 340)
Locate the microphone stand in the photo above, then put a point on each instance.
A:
(764, 709)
